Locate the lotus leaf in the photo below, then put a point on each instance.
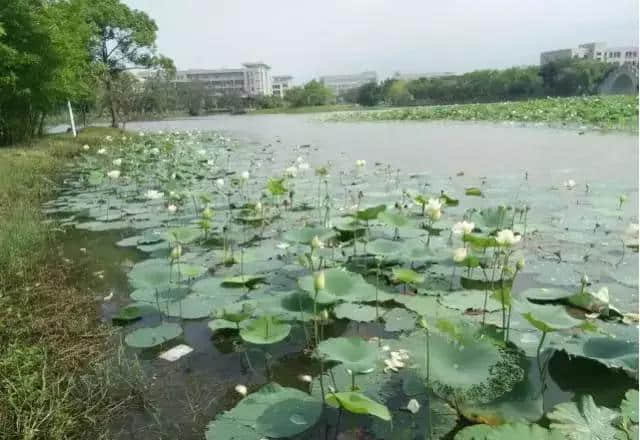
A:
(340, 284)
(408, 276)
(371, 213)
(399, 319)
(264, 330)
(358, 403)
(550, 318)
(273, 411)
(385, 248)
(356, 354)
(355, 312)
(395, 219)
(584, 420)
(519, 431)
(151, 336)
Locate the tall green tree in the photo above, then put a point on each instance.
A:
(369, 94)
(123, 39)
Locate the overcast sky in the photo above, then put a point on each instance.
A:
(307, 38)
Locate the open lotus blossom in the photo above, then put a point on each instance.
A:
(432, 209)
(244, 175)
(155, 150)
(241, 389)
(113, 174)
(305, 378)
(108, 138)
(506, 237)
(283, 245)
(172, 208)
(361, 163)
(303, 166)
(300, 159)
(152, 194)
(291, 172)
(141, 133)
(102, 151)
(413, 406)
(393, 365)
(85, 147)
(463, 227)
(459, 255)
(569, 184)
(219, 183)
(117, 162)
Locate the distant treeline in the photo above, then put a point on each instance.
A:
(571, 77)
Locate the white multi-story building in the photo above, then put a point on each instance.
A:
(281, 84)
(253, 79)
(339, 84)
(594, 51)
(414, 76)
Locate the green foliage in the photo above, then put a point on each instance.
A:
(369, 94)
(314, 93)
(358, 403)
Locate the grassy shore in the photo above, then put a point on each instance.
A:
(309, 109)
(58, 376)
(614, 112)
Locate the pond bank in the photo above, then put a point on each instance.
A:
(58, 378)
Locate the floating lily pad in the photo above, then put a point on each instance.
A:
(153, 336)
(355, 354)
(306, 234)
(394, 219)
(584, 420)
(243, 280)
(356, 312)
(550, 318)
(340, 284)
(222, 324)
(273, 411)
(470, 300)
(371, 213)
(133, 312)
(385, 248)
(265, 330)
(399, 319)
(408, 276)
(151, 274)
(519, 431)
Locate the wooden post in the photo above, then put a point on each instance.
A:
(73, 123)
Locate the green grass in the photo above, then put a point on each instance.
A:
(58, 378)
(614, 112)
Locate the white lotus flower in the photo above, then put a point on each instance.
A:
(152, 194)
(432, 209)
(283, 246)
(85, 147)
(102, 151)
(633, 230)
(459, 255)
(291, 172)
(569, 184)
(141, 133)
(117, 162)
(113, 174)
(361, 163)
(303, 166)
(506, 237)
(300, 159)
(393, 364)
(318, 280)
(413, 406)
(155, 150)
(305, 378)
(172, 208)
(241, 389)
(109, 297)
(463, 227)
(219, 183)
(245, 175)
(108, 138)
(202, 152)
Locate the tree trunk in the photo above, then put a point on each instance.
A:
(112, 104)
(41, 125)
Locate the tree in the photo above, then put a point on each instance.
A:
(399, 93)
(369, 94)
(313, 93)
(123, 39)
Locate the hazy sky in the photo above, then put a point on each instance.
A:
(307, 38)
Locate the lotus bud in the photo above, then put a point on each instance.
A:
(584, 280)
(85, 147)
(413, 406)
(172, 208)
(305, 378)
(245, 175)
(318, 280)
(219, 183)
(316, 243)
(520, 263)
(117, 162)
(241, 389)
(207, 213)
(176, 252)
(324, 315)
(258, 207)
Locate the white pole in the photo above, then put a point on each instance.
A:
(73, 123)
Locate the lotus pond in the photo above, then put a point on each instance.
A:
(270, 294)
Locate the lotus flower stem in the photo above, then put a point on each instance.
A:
(315, 326)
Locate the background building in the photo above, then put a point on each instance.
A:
(253, 79)
(281, 84)
(339, 84)
(594, 51)
(414, 76)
